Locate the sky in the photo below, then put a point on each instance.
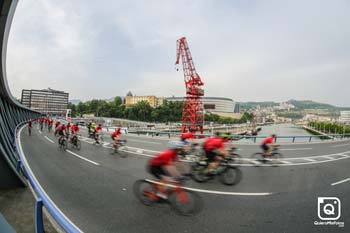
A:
(245, 50)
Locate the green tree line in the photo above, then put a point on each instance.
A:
(169, 111)
(330, 127)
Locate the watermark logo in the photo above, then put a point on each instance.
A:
(329, 210)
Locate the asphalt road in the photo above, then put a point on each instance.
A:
(94, 188)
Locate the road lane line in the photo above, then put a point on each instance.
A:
(342, 181)
(308, 159)
(81, 157)
(212, 191)
(156, 143)
(49, 139)
(341, 145)
(296, 149)
(284, 161)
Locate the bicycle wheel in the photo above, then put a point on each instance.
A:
(64, 145)
(145, 192)
(231, 176)
(198, 173)
(258, 159)
(275, 157)
(78, 144)
(186, 202)
(30, 131)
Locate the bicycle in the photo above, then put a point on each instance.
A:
(62, 143)
(120, 149)
(75, 142)
(228, 174)
(182, 201)
(30, 130)
(261, 158)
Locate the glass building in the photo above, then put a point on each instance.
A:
(46, 101)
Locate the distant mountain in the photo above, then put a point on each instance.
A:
(309, 104)
(75, 101)
(299, 104)
(251, 105)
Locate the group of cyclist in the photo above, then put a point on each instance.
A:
(166, 166)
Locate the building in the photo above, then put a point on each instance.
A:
(344, 117)
(237, 108)
(216, 105)
(46, 101)
(151, 99)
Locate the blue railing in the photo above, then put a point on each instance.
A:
(42, 199)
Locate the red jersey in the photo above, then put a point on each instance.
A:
(164, 158)
(29, 123)
(187, 135)
(98, 128)
(57, 124)
(116, 133)
(75, 128)
(213, 143)
(268, 140)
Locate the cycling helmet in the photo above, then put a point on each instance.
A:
(176, 145)
(225, 136)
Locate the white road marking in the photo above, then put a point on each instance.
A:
(156, 143)
(49, 139)
(308, 159)
(40, 132)
(342, 181)
(341, 145)
(81, 157)
(328, 157)
(212, 191)
(284, 161)
(296, 149)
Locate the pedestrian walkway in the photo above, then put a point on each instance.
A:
(17, 207)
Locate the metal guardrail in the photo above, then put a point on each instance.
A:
(254, 138)
(42, 199)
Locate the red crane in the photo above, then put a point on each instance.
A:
(192, 110)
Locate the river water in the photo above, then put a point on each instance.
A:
(285, 130)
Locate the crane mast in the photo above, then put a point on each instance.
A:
(192, 110)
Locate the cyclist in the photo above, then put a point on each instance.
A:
(214, 148)
(92, 129)
(98, 133)
(57, 124)
(67, 130)
(162, 166)
(61, 133)
(267, 145)
(30, 126)
(75, 131)
(115, 137)
(186, 138)
(50, 124)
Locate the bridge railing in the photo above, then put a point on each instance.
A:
(255, 139)
(42, 199)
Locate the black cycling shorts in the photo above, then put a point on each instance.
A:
(61, 133)
(265, 147)
(210, 156)
(156, 171)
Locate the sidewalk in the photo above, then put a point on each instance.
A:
(17, 206)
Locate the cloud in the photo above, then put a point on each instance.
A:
(245, 50)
